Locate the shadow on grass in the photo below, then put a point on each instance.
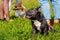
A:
(13, 17)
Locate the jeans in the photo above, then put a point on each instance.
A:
(17, 1)
(46, 8)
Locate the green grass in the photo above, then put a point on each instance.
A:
(21, 28)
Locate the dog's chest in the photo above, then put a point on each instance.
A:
(37, 24)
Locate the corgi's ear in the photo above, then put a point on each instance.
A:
(20, 2)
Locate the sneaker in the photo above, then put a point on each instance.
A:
(48, 22)
(56, 21)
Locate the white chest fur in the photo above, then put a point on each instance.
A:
(37, 24)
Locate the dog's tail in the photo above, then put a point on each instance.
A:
(51, 29)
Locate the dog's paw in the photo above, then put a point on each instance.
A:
(51, 29)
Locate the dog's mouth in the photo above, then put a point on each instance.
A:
(28, 16)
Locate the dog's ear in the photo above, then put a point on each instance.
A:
(37, 8)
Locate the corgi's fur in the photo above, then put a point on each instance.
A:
(20, 10)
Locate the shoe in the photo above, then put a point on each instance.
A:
(56, 21)
(48, 22)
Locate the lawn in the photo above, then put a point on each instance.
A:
(21, 28)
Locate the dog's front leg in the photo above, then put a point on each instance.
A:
(33, 30)
(33, 27)
(24, 15)
(46, 31)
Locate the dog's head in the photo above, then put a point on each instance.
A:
(19, 6)
(31, 13)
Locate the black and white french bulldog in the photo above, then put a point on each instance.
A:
(38, 21)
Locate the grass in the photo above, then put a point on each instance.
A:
(20, 28)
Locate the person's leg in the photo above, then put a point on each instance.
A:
(6, 9)
(10, 3)
(56, 6)
(1, 10)
(45, 9)
(17, 1)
